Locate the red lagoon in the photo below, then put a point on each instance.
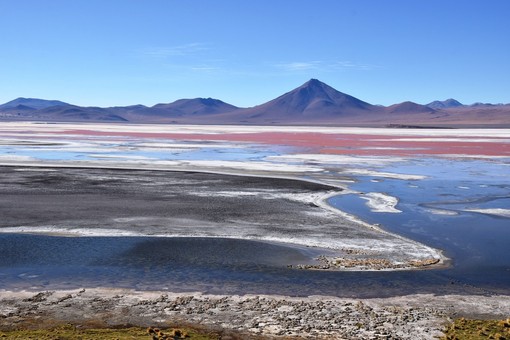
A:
(344, 144)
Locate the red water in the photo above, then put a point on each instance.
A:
(345, 144)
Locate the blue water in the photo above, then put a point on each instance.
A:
(222, 154)
(43, 153)
(249, 152)
(476, 243)
(221, 266)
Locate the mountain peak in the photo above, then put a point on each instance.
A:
(445, 104)
(314, 82)
(210, 101)
(312, 99)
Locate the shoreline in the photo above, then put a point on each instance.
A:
(442, 263)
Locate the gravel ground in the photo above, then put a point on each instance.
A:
(405, 317)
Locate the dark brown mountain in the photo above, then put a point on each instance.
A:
(313, 101)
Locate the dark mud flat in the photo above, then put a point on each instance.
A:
(180, 204)
(142, 201)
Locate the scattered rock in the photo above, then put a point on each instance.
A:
(312, 317)
(39, 297)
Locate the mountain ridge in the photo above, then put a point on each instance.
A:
(34, 103)
(196, 106)
(409, 107)
(312, 103)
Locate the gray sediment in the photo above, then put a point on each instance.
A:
(110, 202)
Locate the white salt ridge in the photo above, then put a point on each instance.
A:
(442, 212)
(367, 172)
(221, 129)
(184, 145)
(120, 157)
(247, 165)
(389, 148)
(214, 166)
(336, 159)
(50, 230)
(382, 246)
(379, 202)
(494, 211)
(265, 194)
(16, 158)
(230, 194)
(463, 156)
(441, 139)
(34, 170)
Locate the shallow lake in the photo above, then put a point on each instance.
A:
(434, 212)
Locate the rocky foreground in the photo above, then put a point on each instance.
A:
(407, 317)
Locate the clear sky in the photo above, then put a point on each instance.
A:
(123, 52)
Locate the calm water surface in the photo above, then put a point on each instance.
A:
(195, 264)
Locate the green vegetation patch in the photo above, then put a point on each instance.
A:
(70, 332)
(465, 329)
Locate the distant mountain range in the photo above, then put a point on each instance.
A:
(31, 103)
(313, 103)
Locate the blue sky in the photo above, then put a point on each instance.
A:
(123, 52)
